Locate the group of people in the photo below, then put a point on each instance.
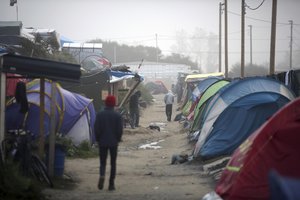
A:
(109, 130)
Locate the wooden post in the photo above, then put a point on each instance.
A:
(51, 150)
(243, 39)
(226, 39)
(2, 104)
(273, 38)
(220, 37)
(131, 90)
(42, 113)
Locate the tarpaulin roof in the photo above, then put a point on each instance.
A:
(35, 67)
(199, 77)
(116, 76)
(274, 146)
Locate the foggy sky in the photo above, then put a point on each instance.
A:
(135, 22)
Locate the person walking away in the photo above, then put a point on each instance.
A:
(134, 109)
(169, 100)
(108, 131)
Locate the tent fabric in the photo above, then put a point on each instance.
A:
(202, 86)
(274, 146)
(70, 108)
(208, 93)
(230, 93)
(238, 121)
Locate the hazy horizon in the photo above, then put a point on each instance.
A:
(136, 22)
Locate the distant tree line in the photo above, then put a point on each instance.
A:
(250, 70)
(121, 53)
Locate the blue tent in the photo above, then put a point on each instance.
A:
(75, 114)
(239, 120)
(202, 86)
(228, 116)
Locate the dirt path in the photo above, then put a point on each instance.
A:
(141, 173)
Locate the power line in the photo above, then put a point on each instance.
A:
(256, 7)
(262, 20)
(230, 52)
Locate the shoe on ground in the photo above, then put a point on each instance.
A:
(101, 183)
(111, 187)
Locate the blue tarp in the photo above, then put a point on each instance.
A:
(116, 76)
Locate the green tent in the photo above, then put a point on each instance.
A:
(208, 93)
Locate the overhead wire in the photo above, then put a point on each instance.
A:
(256, 7)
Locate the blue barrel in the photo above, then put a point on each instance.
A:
(59, 161)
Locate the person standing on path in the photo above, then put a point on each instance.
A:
(108, 131)
(134, 109)
(169, 100)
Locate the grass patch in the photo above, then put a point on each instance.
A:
(13, 185)
(83, 150)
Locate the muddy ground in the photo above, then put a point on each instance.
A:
(143, 172)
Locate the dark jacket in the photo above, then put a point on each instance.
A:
(134, 101)
(108, 127)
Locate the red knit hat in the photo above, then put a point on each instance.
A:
(110, 101)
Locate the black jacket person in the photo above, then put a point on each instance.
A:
(134, 109)
(108, 130)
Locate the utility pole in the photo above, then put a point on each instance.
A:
(273, 37)
(250, 26)
(115, 54)
(291, 45)
(226, 39)
(156, 48)
(12, 3)
(220, 36)
(243, 39)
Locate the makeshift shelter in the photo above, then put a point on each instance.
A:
(97, 84)
(157, 87)
(274, 146)
(235, 111)
(74, 117)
